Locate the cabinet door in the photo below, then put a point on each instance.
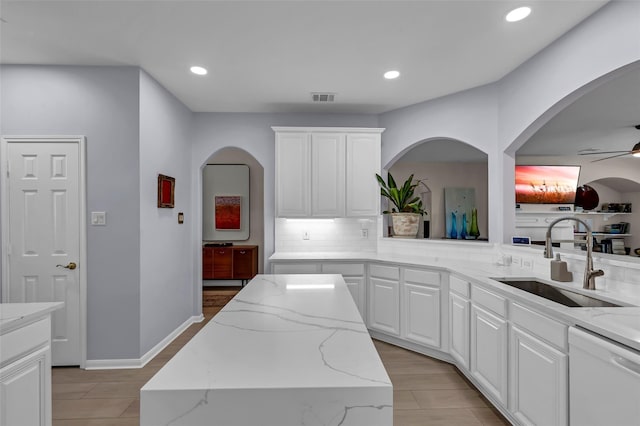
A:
(207, 263)
(222, 263)
(488, 360)
(245, 262)
(538, 380)
(384, 305)
(421, 319)
(25, 387)
(363, 162)
(459, 329)
(293, 176)
(356, 288)
(327, 174)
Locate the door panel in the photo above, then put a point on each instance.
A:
(44, 235)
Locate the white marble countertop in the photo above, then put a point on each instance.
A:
(287, 349)
(16, 315)
(621, 324)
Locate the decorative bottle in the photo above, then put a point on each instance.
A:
(473, 230)
(463, 231)
(454, 227)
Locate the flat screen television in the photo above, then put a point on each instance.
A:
(546, 184)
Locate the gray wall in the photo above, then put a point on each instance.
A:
(100, 103)
(166, 280)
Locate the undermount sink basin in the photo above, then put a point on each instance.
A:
(558, 295)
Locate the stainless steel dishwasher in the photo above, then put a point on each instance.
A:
(604, 381)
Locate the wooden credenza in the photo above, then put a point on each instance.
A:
(229, 263)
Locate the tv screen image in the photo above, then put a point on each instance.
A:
(546, 184)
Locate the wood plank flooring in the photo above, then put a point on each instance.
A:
(426, 391)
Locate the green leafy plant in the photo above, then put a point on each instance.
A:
(402, 197)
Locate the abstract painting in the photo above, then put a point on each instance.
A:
(227, 212)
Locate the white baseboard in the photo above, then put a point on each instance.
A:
(113, 364)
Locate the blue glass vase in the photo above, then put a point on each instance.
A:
(463, 231)
(454, 227)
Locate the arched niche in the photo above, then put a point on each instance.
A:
(444, 163)
(234, 155)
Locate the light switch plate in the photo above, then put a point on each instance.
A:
(98, 218)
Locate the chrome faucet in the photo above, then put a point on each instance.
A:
(589, 280)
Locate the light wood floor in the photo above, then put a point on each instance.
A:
(425, 391)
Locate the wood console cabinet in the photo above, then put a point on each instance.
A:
(229, 263)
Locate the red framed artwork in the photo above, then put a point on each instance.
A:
(227, 212)
(166, 190)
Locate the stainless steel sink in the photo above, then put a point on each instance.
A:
(555, 294)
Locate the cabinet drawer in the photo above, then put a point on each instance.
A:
(18, 343)
(417, 276)
(497, 304)
(352, 269)
(294, 268)
(544, 327)
(388, 272)
(459, 286)
(222, 263)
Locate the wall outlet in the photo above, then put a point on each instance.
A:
(364, 234)
(527, 263)
(305, 235)
(516, 261)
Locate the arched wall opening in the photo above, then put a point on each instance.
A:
(235, 155)
(446, 165)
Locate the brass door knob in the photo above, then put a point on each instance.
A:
(71, 266)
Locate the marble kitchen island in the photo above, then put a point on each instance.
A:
(287, 350)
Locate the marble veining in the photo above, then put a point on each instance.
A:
(287, 350)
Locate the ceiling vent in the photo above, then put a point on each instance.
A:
(322, 96)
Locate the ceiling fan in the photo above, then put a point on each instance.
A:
(635, 151)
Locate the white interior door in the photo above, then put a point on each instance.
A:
(44, 248)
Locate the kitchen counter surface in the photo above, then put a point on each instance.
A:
(16, 315)
(621, 324)
(287, 350)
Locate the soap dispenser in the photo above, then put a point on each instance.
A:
(559, 270)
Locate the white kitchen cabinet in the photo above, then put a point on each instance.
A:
(459, 307)
(354, 277)
(421, 307)
(538, 368)
(489, 350)
(25, 363)
(538, 380)
(293, 174)
(383, 294)
(295, 268)
(327, 172)
(362, 165)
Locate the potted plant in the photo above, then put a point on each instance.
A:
(407, 208)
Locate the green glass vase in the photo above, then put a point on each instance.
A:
(473, 228)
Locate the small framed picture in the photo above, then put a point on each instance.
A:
(166, 190)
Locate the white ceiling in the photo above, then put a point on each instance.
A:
(267, 56)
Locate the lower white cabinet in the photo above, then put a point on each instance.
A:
(539, 376)
(353, 274)
(459, 307)
(488, 357)
(383, 296)
(421, 307)
(25, 375)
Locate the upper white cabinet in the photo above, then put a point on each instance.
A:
(327, 172)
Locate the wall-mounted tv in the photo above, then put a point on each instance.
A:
(546, 184)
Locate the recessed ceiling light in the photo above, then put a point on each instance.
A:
(199, 70)
(390, 75)
(518, 14)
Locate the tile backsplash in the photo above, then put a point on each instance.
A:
(326, 235)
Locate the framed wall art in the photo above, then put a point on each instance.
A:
(166, 191)
(228, 210)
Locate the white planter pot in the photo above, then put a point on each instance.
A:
(405, 225)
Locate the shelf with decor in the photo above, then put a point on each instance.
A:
(602, 234)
